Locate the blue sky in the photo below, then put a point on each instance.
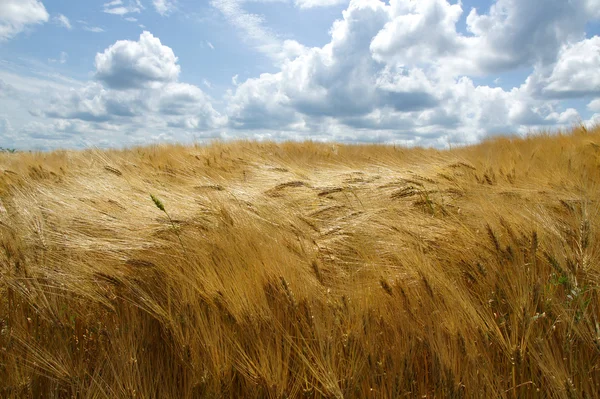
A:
(116, 73)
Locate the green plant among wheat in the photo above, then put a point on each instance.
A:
(161, 206)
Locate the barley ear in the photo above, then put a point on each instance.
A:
(157, 202)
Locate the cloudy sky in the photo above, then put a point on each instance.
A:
(416, 72)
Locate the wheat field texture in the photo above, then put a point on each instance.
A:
(303, 270)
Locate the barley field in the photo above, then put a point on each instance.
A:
(303, 270)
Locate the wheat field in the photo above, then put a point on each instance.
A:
(303, 270)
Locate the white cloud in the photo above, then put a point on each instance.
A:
(117, 7)
(87, 104)
(6, 89)
(594, 105)
(60, 133)
(417, 32)
(252, 25)
(17, 15)
(63, 21)
(164, 7)
(253, 31)
(569, 116)
(593, 8)
(318, 3)
(520, 33)
(386, 70)
(393, 71)
(209, 44)
(259, 103)
(87, 27)
(119, 10)
(339, 80)
(593, 122)
(177, 104)
(575, 74)
(47, 112)
(130, 19)
(27, 93)
(186, 105)
(61, 130)
(136, 87)
(207, 83)
(128, 64)
(512, 34)
(36, 81)
(94, 29)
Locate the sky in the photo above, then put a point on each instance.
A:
(440, 73)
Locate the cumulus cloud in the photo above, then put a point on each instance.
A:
(402, 69)
(92, 103)
(594, 105)
(136, 81)
(187, 106)
(418, 32)
(17, 15)
(335, 80)
(511, 34)
(59, 130)
(569, 116)
(575, 73)
(520, 33)
(133, 64)
(258, 103)
(339, 80)
(175, 101)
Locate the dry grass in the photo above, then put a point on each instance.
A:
(303, 270)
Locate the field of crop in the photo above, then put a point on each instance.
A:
(261, 270)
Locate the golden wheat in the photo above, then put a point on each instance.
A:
(302, 270)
